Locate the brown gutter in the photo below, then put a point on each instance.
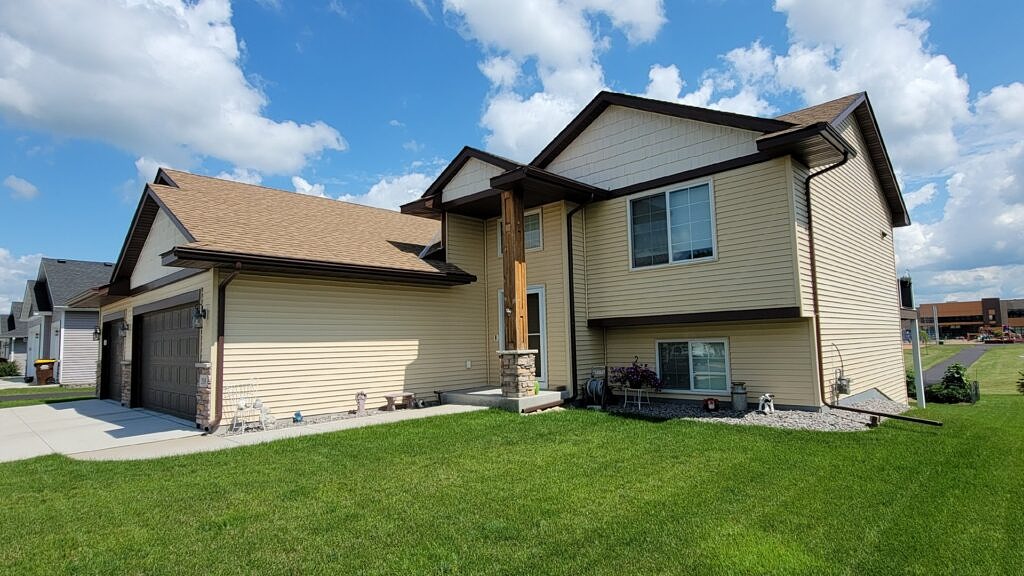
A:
(222, 289)
(817, 313)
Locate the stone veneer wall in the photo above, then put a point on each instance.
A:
(517, 373)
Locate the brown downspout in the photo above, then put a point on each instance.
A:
(222, 289)
(817, 312)
(571, 280)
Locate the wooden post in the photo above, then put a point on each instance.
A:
(513, 260)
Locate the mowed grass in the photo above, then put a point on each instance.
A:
(931, 354)
(573, 492)
(13, 397)
(998, 370)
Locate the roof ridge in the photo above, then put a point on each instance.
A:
(852, 95)
(277, 190)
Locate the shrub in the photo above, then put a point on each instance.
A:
(8, 369)
(953, 388)
(1020, 382)
(911, 384)
(635, 376)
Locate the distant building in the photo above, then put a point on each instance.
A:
(968, 319)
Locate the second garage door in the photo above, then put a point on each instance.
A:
(170, 350)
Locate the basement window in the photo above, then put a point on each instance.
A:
(673, 226)
(693, 365)
(532, 237)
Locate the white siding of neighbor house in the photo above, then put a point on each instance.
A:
(312, 345)
(474, 176)
(79, 352)
(623, 146)
(857, 274)
(545, 267)
(754, 265)
(776, 357)
(163, 236)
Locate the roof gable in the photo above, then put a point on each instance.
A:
(605, 99)
(64, 279)
(454, 167)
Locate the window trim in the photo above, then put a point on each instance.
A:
(701, 391)
(540, 221)
(664, 191)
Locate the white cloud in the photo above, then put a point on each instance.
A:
(396, 123)
(561, 38)
(421, 5)
(141, 80)
(304, 187)
(337, 7)
(921, 196)
(14, 272)
(413, 146)
(665, 83)
(392, 191)
(270, 4)
(21, 188)
(241, 175)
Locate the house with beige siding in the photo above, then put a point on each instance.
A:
(715, 247)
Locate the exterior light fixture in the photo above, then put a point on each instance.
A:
(198, 315)
(125, 327)
(96, 333)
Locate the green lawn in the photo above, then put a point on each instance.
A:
(997, 371)
(12, 397)
(931, 355)
(574, 492)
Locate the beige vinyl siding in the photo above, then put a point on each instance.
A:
(311, 345)
(623, 146)
(803, 250)
(163, 236)
(474, 176)
(769, 356)
(79, 352)
(857, 274)
(589, 341)
(544, 267)
(753, 268)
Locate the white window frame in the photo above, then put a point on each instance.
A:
(540, 223)
(701, 391)
(665, 191)
(542, 303)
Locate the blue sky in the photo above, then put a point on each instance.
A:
(366, 101)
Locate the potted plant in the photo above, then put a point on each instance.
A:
(635, 376)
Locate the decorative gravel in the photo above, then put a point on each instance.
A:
(827, 421)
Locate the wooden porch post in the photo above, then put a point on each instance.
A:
(517, 362)
(513, 262)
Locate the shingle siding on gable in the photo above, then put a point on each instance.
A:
(163, 236)
(624, 146)
(475, 176)
(857, 274)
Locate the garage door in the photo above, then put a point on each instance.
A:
(170, 350)
(113, 354)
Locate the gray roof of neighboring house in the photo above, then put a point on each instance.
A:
(11, 325)
(64, 279)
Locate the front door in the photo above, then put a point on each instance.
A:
(536, 322)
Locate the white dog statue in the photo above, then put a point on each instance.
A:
(766, 404)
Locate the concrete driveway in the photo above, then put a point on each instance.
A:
(83, 426)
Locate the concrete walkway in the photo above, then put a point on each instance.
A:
(969, 355)
(104, 430)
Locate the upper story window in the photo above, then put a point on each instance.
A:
(532, 237)
(672, 226)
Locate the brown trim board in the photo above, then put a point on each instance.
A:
(165, 280)
(787, 313)
(179, 300)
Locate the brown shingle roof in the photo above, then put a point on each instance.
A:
(824, 112)
(232, 217)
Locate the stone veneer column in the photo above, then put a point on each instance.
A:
(126, 383)
(204, 408)
(517, 372)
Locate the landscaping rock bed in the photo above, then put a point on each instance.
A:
(827, 421)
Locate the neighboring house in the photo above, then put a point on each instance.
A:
(54, 331)
(13, 336)
(676, 235)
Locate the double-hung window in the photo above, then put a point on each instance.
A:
(532, 239)
(694, 365)
(672, 226)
